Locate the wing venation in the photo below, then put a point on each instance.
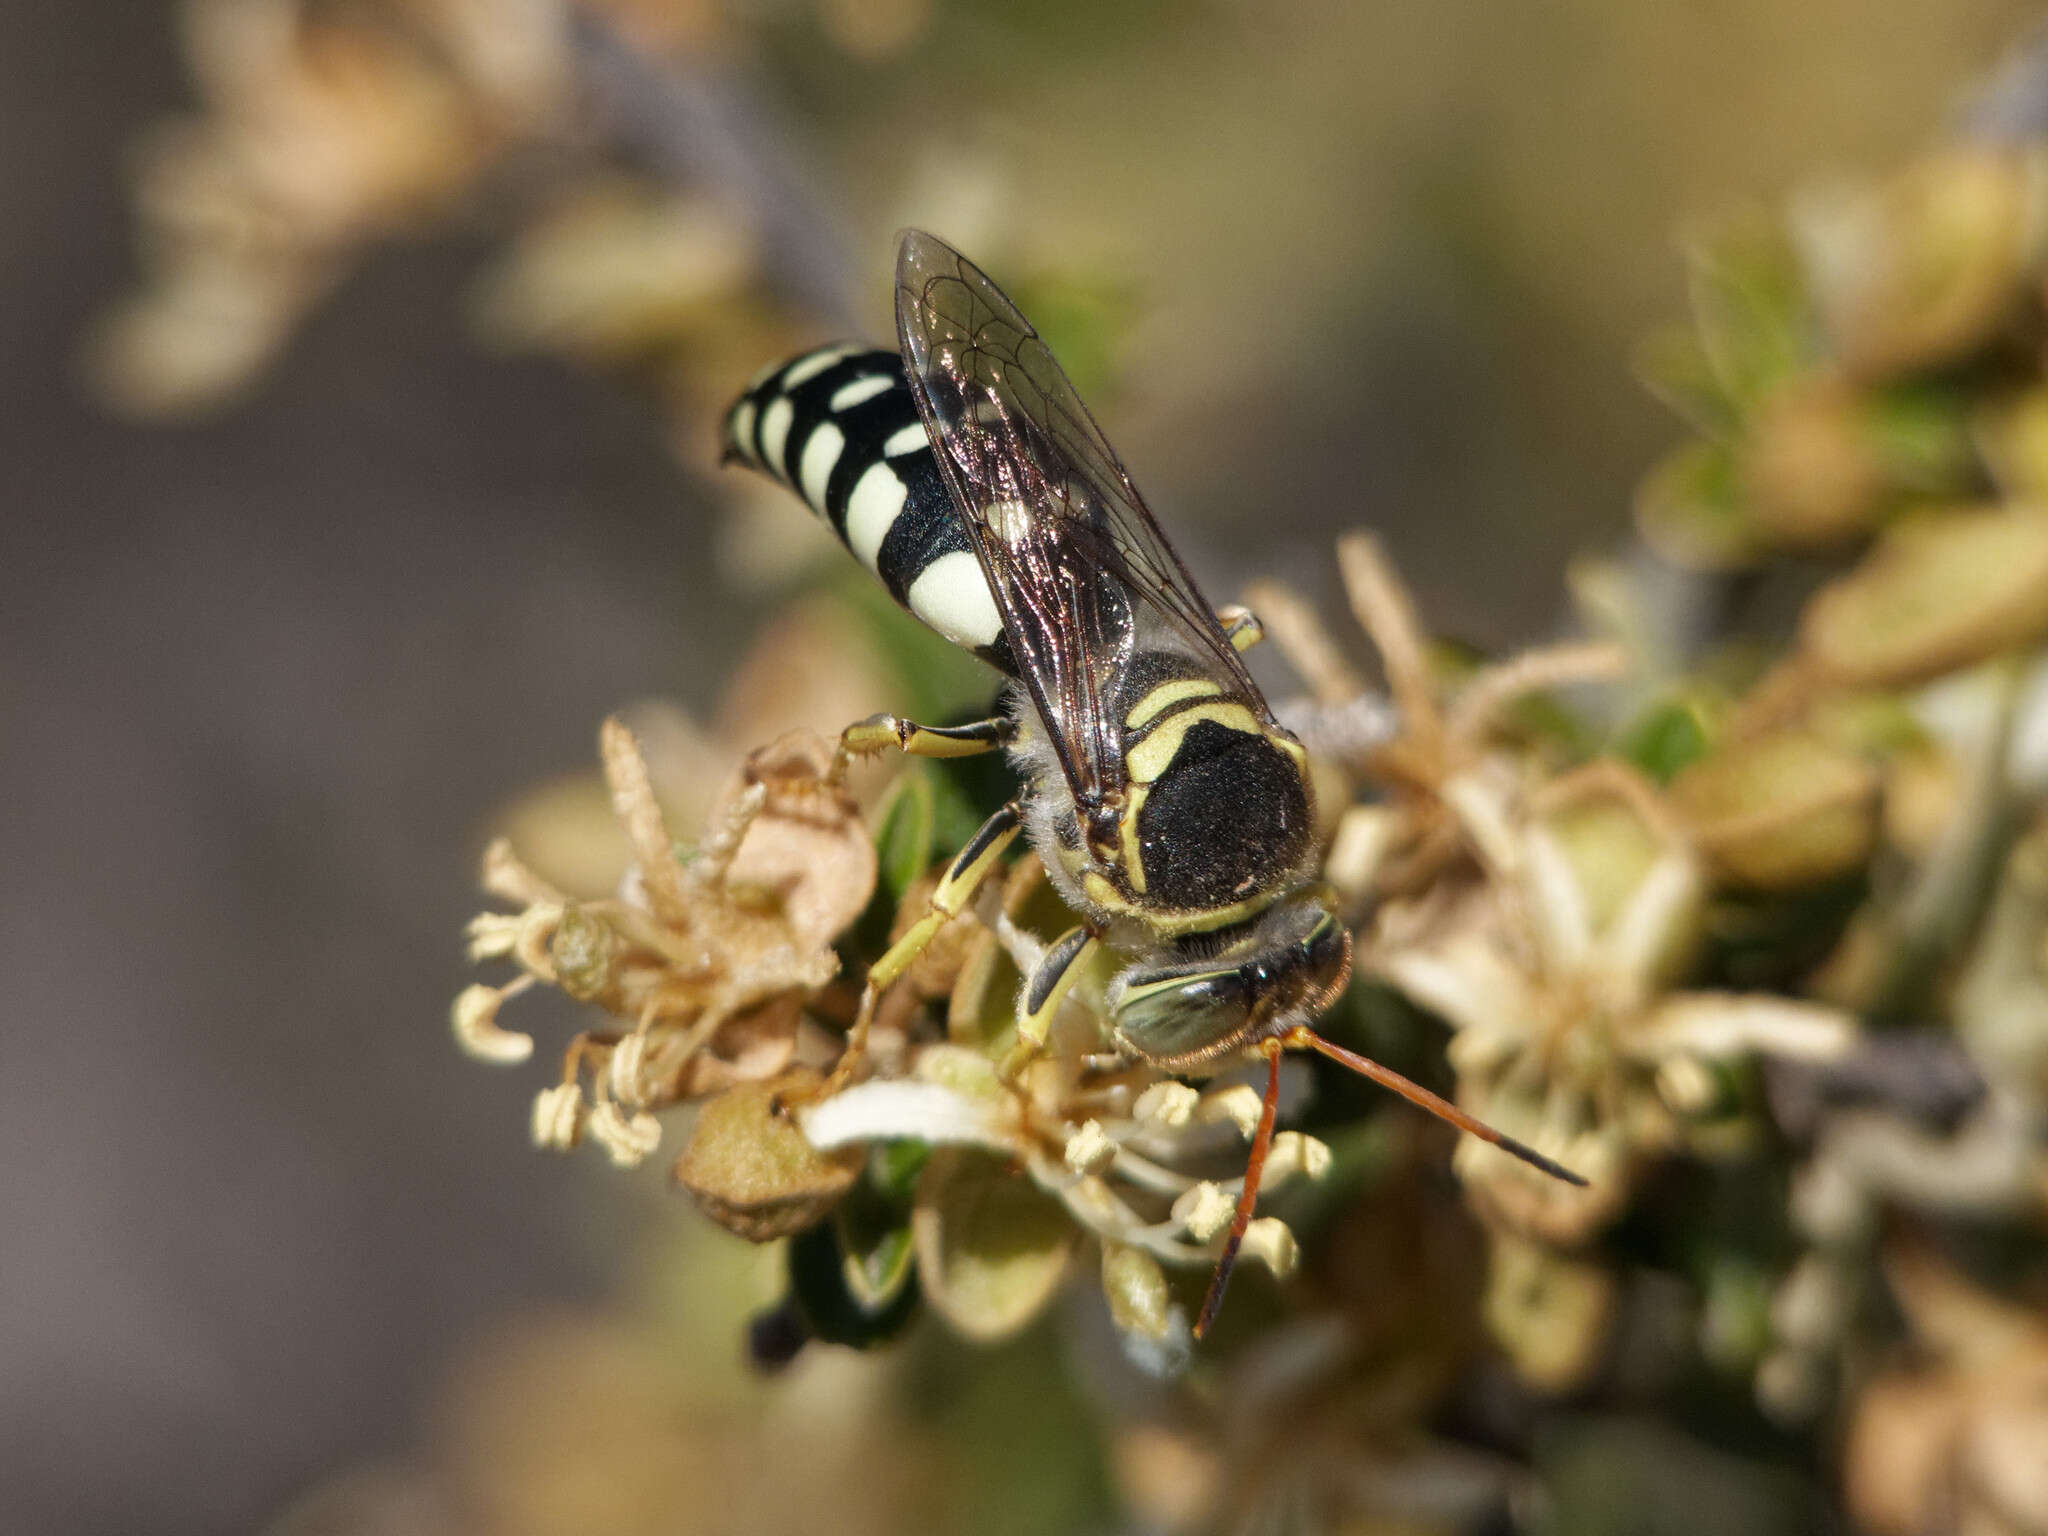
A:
(1080, 571)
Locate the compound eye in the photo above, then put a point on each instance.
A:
(1170, 1016)
(1327, 950)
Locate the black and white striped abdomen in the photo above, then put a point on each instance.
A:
(839, 427)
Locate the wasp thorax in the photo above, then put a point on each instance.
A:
(1290, 965)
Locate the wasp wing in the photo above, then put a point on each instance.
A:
(1081, 573)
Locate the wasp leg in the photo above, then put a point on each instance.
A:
(1044, 990)
(879, 733)
(971, 866)
(1241, 627)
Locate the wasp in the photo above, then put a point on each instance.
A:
(1172, 811)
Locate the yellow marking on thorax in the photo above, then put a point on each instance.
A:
(1127, 830)
(1171, 923)
(1150, 706)
(1096, 887)
(1148, 759)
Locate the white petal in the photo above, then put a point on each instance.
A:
(887, 1111)
(1557, 902)
(1652, 923)
(1466, 983)
(1482, 810)
(1737, 1023)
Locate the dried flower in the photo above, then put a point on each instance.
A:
(704, 962)
(323, 129)
(1955, 1443)
(751, 1169)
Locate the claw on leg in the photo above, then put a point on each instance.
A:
(882, 733)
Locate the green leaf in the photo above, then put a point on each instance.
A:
(1938, 592)
(819, 1271)
(903, 852)
(1690, 509)
(1735, 1315)
(1780, 811)
(874, 1223)
(1922, 435)
(964, 794)
(894, 1167)
(878, 1266)
(1750, 306)
(1675, 368)
(903, 838)
(1668, 736)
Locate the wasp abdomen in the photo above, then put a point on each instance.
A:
(840, 427)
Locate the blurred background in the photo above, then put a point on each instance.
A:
(336, 524)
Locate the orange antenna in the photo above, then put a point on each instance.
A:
(1303, 1038)
(1262, 1143)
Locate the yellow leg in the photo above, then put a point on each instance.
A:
(881, 733)
(955, 892)
(1044, 990)
(1241, 627)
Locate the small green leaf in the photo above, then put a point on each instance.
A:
(1779, 811)
(894, 1167)
(819, 1282)
(964, 794)
(1735, 1319)
(874, 1223)
(1666, 737)
(1750, 306)
(1921, 432)
(903, 838)
(877, 1268)
(903, 852)
(1938, 592)
(1674, 367)
(1690, 511)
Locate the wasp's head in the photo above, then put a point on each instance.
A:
(1288, 966)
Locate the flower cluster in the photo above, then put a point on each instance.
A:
(1867, 377)
(718, 964)
(1745, 920)
(1693, 912)
(326, 129)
